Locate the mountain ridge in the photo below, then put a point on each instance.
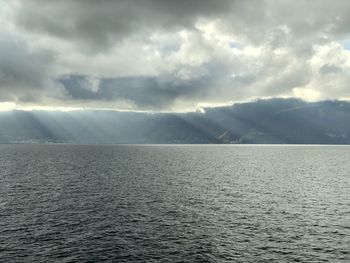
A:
(285, 121)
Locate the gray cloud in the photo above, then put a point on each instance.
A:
(146, 93)
(103, 23)
(24, 73)
(158, 54)
(330, 69)
(100, 24)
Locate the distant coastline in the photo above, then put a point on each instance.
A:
(272, 121)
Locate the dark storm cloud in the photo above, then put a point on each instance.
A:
(104, 22)
(100, 24)
(149, 93)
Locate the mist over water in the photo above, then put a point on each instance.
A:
(65, 203)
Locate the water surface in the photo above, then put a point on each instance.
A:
(65, 203)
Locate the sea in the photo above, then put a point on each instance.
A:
(174, 203)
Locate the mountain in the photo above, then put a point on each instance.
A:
(289, 121)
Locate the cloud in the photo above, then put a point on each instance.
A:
(24, 73)
(143, 93)
(99, 24)
(330, 69)
(172, 55)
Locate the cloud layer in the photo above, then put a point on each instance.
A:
(171, 55)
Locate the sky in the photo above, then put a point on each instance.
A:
(165, 55)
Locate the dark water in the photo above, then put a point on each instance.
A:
(61, 203)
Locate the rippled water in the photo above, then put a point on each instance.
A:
(62, 203)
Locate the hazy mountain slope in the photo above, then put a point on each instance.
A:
(263, 121)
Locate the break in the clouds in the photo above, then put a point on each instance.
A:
(171, 55)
